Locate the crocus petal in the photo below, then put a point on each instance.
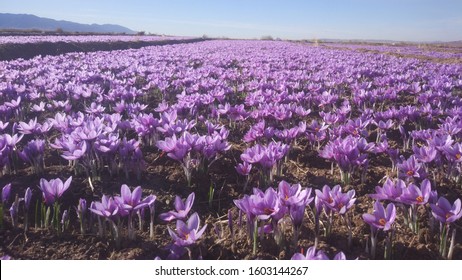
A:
(438, 213)
(298, 257)
(391, 212)
(369, 219)
(189, 201)
(65, 186)
(200, 232)
(172, 234)
(178, 204)
(456, 207)
(340, 256)
(444, 204)
(125, 193)
(167, 217)
(182, 228)
(136, 195)
(378, 208)
(193, 222)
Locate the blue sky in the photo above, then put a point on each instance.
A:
(408, 20)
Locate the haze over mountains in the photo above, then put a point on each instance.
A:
(28, 22)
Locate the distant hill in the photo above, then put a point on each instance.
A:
(28, 22)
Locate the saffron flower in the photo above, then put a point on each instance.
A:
(107, 208)
(187, 233)
(415, 195)
(381, 218)
(52, 190)
(311, 254)
(446, 213)
(130, 201)
(182, 209)
(390, 191)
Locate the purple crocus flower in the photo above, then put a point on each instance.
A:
(53, 189)
(293, 194)
(244, 168)
(454, 153)
(390, 191)
(297, 212)
(410, 168)
(107, 208)
(74, 151)
(187, 233)
(267, 204)
(65, 218)
(339, 256)
(244, 206)
(335, 200)
(6, 193)
(425, 154)
(14, 211)
(182, 209)
(415, 195)
(444, 212)
(311, 254)
(381, 218)
(81, 208)
(129, 201)
(27, 197)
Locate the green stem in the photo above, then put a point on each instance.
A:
(37, 213)
(255, 235)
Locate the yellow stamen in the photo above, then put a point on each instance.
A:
(410, 173)
(419, 199)
(382, 222)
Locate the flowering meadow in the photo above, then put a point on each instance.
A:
(228, 149)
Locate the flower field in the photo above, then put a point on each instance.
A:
(228, 149)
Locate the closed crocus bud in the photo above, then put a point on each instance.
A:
(65, 217)
(27, 197)
(82, 207)
(6, 193)
(14, 211)
(244, 168)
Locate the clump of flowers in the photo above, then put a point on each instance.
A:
(333, 201)
(267, 158)
(273, 205)
(52, 191)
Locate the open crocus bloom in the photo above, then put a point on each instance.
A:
(311, 254)
(444, 212)
(53, 189)
(187, 233)
(182, 209)
(381, 218)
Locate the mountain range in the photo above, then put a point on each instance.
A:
(32, 22)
